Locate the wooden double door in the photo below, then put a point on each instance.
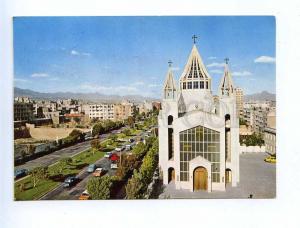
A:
(200, 179)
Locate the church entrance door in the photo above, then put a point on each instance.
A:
(200, 179)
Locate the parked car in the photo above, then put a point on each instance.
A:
(98, 172)
(119, 149)
(108, 154)
(128, 147)
(114, 157)
(20, 173)
(84, 195)
(91, 168)
(114, 165)
(70, 181)
(270, 159)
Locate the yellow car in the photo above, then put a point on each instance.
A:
(270, 159)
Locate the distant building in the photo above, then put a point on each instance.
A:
(145, 107)
(23, 111)
(270, 133)
(156, 105)
(123, 111)
(100, 111)
(239, 101)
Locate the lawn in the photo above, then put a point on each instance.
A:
(79, 162)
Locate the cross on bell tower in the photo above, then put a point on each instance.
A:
(170, 63)
(226, 60)
(194, 37)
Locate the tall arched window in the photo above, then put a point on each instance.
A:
(170, 120)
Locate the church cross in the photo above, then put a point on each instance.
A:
(194, 37)
(226, 60)
(170, 63)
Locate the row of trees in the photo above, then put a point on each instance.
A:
(102, 187)
(138, 184)
(105, 126)
(252, 140)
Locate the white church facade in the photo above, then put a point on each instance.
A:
(198, 132)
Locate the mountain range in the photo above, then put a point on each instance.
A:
(18, 92)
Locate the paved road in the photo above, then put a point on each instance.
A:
(61, 193)
(256, 177)
(55, 156)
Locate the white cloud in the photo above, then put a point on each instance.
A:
(39, 75)
(54, 79)
(153, 85)
(88, 87)
(74, 52)
(175, 68)
(138, 83)
(20, 80)
(218, 65)
(242, 73)
(264, 59)
(216, 71)
(212, 57)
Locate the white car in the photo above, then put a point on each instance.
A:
(108, 154)
(114, 166)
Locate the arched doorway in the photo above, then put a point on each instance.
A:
(200, 179)
(228, 176)
(171, 174)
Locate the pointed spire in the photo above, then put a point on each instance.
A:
(226, 88)
(170, 85)
(195, 75)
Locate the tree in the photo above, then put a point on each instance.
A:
(76, 119)
(99, 187)
(130, 121)
(126, 131)
(38, 174)
(134, 186)
(31, 149)
(98, 129)
(64, 162)
(95, 144)
(113, 137)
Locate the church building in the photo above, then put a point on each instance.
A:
(198, 132)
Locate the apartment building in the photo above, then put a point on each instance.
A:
(239, 101)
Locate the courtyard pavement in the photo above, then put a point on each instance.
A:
(256, 177)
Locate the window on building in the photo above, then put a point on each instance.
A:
(201, 85)
(196, 85)
(189, 85)
(184, 85)
(199, 141)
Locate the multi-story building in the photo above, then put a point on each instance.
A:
(270, 132)
(145, 107)
(198, 135)
(123, 111)
(100, 111)
(23, 111)
(239, 101)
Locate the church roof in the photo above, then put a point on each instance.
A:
(226, 86)
(170, 82)
(194, 67)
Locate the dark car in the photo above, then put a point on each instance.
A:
(70, 181)
(20, 173)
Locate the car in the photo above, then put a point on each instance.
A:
(270, 159)
(128, 147)
(114, 165)
(84, 195)
(20, 173)
(119, 149)
(91, 168)
(70, 181)
(114, 157)
(131, 140)
(98, 172)
(108, 154)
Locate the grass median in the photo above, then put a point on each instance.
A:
(79, 161)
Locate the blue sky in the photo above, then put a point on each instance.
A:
(129, 55)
